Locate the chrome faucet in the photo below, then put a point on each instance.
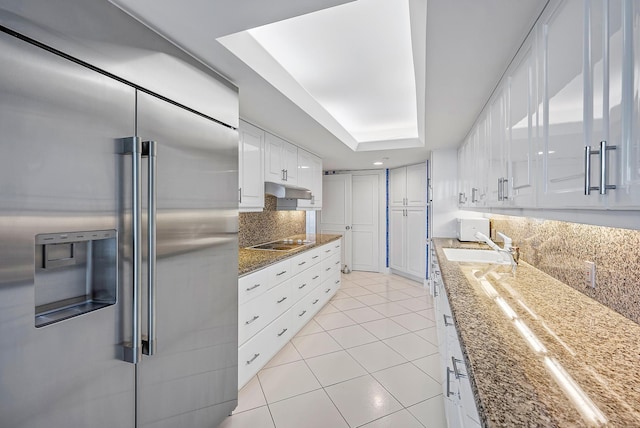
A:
(508, 249)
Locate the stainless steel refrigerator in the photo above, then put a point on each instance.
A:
(118, 251)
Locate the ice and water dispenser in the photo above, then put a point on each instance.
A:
(75, 273)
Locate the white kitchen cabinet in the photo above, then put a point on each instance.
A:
(251, 167)
(281, 161)
(522, 128)
(407, 240)
(459, 401)
(407, 186)
(310, 177)
(288, 294)
(567, 107)
(587, 100)
(497, 149)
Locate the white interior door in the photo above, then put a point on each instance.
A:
(335, 217)
(364, 223)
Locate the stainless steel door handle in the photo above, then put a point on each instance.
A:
(447, 323)
(456, 372)
(131, 350)
(149, 149)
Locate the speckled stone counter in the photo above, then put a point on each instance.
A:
(512, 376)
(251, 260)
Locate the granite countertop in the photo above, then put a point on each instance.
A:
(512, 377)
(251, 260)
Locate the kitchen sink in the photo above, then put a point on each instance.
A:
(282, 245)
(475, 256)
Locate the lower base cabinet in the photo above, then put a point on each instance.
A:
(305, 292)
(459, 402)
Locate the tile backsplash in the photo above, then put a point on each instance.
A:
(269, 225)
(560, 249)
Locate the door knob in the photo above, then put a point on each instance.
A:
(348, 227)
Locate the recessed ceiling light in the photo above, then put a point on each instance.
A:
(377, 163)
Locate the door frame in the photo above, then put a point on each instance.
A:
(382, 213)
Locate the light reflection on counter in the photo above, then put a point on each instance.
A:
(587, 408)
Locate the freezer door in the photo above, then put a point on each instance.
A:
(59, 178)
(191, 380)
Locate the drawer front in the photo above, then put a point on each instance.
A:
(279, 332)
(330, 266)
(252, 356)
(301, 313)
(252, 285)
(254, 316)
(315, 255)
(279, 272)
(302, 262)
(302, 284)
(326, 250)
(279, 299)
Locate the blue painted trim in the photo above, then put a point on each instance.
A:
(387, 216)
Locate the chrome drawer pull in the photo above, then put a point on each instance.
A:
(282, 332)
(303, 263)
(337, 281)
(315, 301)
(281, 273)
(315, 257)
(282, 300)
(449, 393)
(327, 290)
(253, 359)
(327, 269)
(316, 277)
(302, 286)
(458, 374)
(302, 313)
(255, 317)
(337, 263)
(327, 251)
(447, 323)
(254, 287)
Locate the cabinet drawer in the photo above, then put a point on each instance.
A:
(252, 285)
(326, 250)
(302, 283)
(279, 332)
(279, 272)
(252, 356)
(330, 266)
(302, 312)
(279, 299)
(304, 261)
(253, 316)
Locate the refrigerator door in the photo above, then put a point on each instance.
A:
(191, 379)
(60, 307)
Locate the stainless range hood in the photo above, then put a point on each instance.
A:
(282, 191)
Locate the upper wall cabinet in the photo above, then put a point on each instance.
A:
(281, 161)
(310, 177)
(563, 126)
(251, 167)
(407, 185)
(590, 109)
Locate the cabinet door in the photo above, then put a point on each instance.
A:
(397, 237)
(625, 91)
(521, 128)
(310, 177)
(290, 163)
(463, 175)
(478, 164)
(251, 167)
(397, 186)
(273, 164)
(416, 241)
(416, 185)
(567, 102)
(496, 149)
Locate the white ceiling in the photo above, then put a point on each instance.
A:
(469, 44)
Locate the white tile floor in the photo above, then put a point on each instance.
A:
(369, 359)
